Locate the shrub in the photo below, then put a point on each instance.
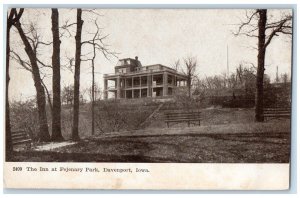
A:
(24, 116)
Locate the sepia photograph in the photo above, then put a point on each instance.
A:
(148, 85)
(141, 87)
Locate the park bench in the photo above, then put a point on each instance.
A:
(177, 117)
(277, 112)
(20, 138)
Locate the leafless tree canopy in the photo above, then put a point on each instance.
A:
(274, 26)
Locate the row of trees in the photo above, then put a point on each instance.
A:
(32, 41)
(243, 78)
(93, 93)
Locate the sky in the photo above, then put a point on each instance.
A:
(156, 36)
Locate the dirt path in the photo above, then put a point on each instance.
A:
(53, 145)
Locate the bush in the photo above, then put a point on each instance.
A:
(241, 102)
(24, 116)
(182, 102)
(277, 95)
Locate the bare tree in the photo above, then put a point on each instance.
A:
(31, 51)
(176, 65)
(97, 42)
(79, 23)
(67, 95)
(56, 113)
(93, 86)
(264, 31)
(190, 64)
(284, 78)
(27, 66)
(97, 92)
(12, 18)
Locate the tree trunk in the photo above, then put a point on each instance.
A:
(40, 92)
(11, 20)
(48, 96)
(189, 84)
(56, 112)
(93, 91)
(93, 105)
(75, 135)
(259, 102)
(9, 147)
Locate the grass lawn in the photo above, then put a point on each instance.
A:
(233, 142)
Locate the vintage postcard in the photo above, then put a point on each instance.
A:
(185, 99)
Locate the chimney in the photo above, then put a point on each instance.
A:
(136, 58)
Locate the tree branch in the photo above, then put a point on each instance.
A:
(98, 43)
(278, 29)
(91, 11)
(247, 22)
(21, 62)
(43, 64)
(66, 27)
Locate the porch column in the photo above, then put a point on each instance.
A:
(132, 81)
(105, 89)
(149, 82)
(165, 84)
(118, 87)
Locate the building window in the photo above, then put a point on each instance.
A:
(123, 70)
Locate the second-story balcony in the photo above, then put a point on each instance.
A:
(142, 70)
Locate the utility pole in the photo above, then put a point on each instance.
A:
(277, 77)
